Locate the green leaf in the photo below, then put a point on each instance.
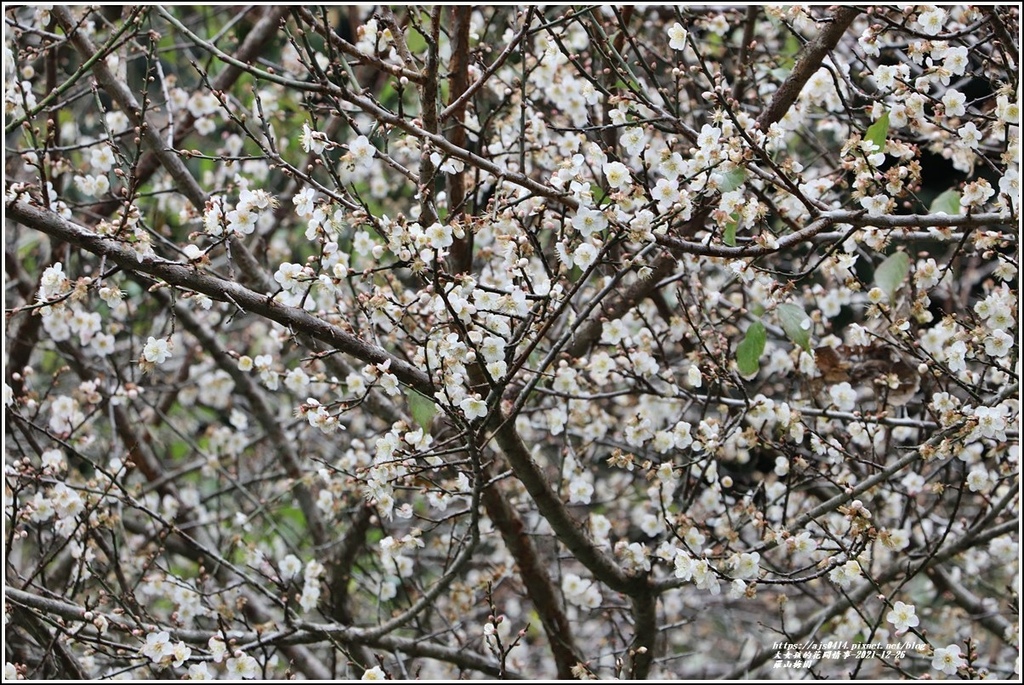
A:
(748, 352)
(729, 237)
(416, 41)
(733, 179)
(890, 273)
(790, 50)
(179, 450)
(877, 132)
(948, 203)
(421, 407)
(388, 95)
(292, 517)
(796, 324)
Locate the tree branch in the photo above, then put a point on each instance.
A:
(533, 572)
(250, 641)
(865, 590)
(191, 278)
(807, 62)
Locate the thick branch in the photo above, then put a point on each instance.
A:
(459, 103)
(251, 47)
(807, 62)
(645, 627)
(458, 81)
(534, 574)
(569, 531)
(428, 113)
(589, 332)
(351, 50)
(828, 219)
(250, 641)
(970, 602)
(23, 342)
(125, 99)
(48, 641)
(191, 278)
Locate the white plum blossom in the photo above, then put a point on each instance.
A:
(978, 480)
(747, 565)
(948, 659)
(288, 274)
(617, 174)
(199, 671)
(449, 165)
(313, 141)
(580, 490)
(1008, 110)
(289, 567)
(579, 592)
(998, 343)
(1009, 185)
(53, 282)
(683, 565)
(633, 140)
(303, 201)
(218, 649)
(843, 575)
(93, 186)
(877, 205)
(242, 666)
(361, 152)
(473, 408)
(708, 137)
(634, 555)
(102, 158)
(439, 236)
(975, 194)
(705, 578)
(955, 60)
(589, 221)
(954, 101)
(156, 350)
(802, 544)
(991, 422)
(242, 220)
(844, 397)
(666, 192)
(584, 255)
(66, 502)
(886, 75)
(902, 617)
(157, 647)
(932, 20)
(180, 653)
(677, 36)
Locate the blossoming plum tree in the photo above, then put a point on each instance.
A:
(510, 341)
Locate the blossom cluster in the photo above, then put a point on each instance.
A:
(445, 323)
